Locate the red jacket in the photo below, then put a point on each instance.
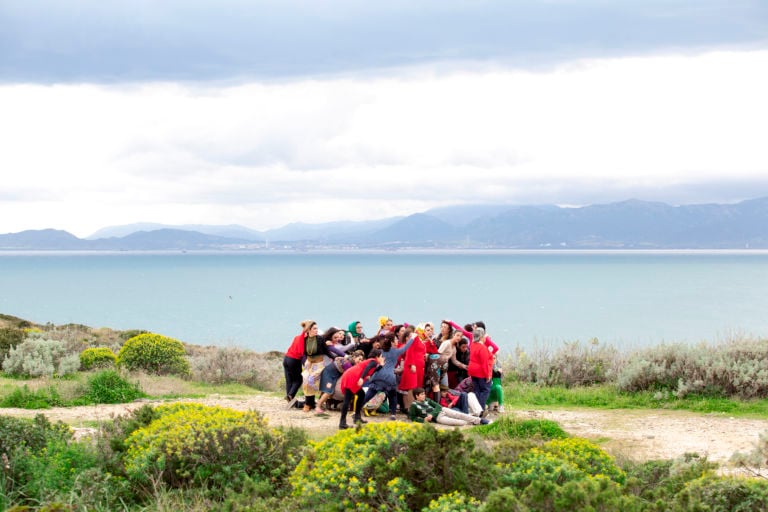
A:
(413, 356)
(296, 350)
(362, 370)
(480, 361)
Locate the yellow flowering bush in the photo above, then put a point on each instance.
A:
(560, 461)
(97, 357)
(453, 502)
(216, 447)
(391, 466)
(586, 456)
(341, 469)
(154, 353)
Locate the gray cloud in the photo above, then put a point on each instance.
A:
(73, 41)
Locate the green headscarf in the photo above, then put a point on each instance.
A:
(353, 329)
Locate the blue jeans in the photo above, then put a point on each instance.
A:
(482, 389)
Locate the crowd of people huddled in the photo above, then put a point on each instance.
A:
(449, 377)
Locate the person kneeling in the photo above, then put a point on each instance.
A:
(424, 410)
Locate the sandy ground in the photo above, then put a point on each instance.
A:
(637, 435)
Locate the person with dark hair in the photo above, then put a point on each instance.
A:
(352, 386)
(337, 338)
(384, 379)
(315, 351)
(424, 410)
(492, 347)
(457, 371)
(332, 373)
(292, 362)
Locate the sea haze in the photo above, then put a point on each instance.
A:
(256, 300)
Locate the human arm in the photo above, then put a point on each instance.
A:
(467, 334)
(492, 347)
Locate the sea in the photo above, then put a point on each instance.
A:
(528, 299)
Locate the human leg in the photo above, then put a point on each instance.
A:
(359, 407)
(392, 397)
(444, 419)
(482, 389)
(458, 415)
(293, 379)
(348, 396)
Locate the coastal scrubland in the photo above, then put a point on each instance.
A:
(164, 453)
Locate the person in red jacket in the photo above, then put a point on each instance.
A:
(413, 366)
(352, 382)
(292, 362)
(480, 367)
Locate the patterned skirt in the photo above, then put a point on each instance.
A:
(313, 368)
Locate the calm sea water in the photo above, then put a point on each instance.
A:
(526, 299)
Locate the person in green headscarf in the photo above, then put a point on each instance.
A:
(355, 335)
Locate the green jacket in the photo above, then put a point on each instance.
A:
(420, 410)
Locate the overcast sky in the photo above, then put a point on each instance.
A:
(263, 113)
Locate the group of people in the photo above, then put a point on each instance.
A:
(449, 377)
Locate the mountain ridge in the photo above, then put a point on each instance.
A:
(628, 224)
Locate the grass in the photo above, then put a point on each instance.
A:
(161, 387)
(605, 396)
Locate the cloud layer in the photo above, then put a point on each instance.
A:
(263, 113)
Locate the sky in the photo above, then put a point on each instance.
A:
(264, 113)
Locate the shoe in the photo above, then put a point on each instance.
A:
(306, 408)
(319, 410)
(393, 417)
(485, 421)
(291, 401)
(501, 409)
(361, 420)
(342, 426)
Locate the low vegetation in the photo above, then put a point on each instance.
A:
(193, 457)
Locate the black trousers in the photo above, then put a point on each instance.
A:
(292, 368)
(348, 397)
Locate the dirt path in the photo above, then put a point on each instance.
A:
(638, 435)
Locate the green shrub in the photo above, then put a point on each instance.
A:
(573, 364)
(391, 466)
(24, 398)
(586, 456)
(737, 368)
(560, 461)
(194, 445)
(537, 465)
(660, 480)
(154, 353)
(453, 502)
(220, 365)
(9, 338)
(508, 426)
(51, 474)
(731, 494)
(593, 493)
(30, 434)
(503, 500)
(126, 335)
(108, 387)
(98, 357)
(37, 356)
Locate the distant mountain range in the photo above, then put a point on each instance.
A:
(630, 224)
